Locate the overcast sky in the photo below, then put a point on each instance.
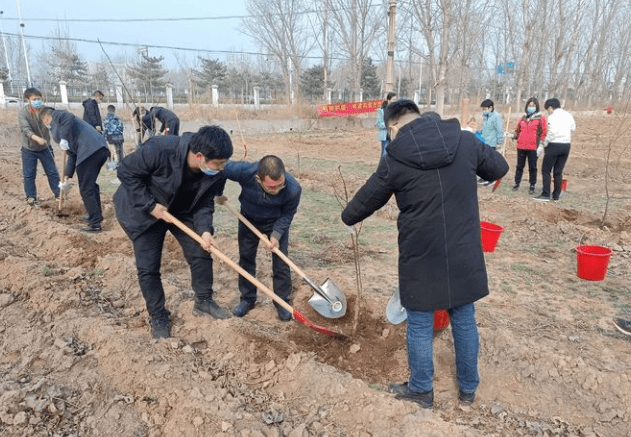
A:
(220, 34)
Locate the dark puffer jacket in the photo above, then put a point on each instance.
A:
(92, 113)
(153, 174)
(431, 169)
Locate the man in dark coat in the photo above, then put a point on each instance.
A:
(431, 168)
(87, 152)
(269, 200)
(91, 111)
(181, 175)
(170, 121)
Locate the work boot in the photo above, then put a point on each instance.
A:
(31, 201)
(209, 307)
(160, 327)
(92, 228)
(402, 391)
(283, 314)
(466, 398)
(243, 308)
(531, 190)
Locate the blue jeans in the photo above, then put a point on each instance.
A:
(420, 348)
(29, 170)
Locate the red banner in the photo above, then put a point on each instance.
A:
(352, 108)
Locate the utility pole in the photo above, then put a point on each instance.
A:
(390, 59)
(28, 72)
(6, 55)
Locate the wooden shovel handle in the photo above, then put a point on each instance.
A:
(64, 157)
(230, 263)
(264, 238)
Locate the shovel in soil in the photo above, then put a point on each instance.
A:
(297, 315)
(62, 194)
(328, 300)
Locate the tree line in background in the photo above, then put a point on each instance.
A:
(446, 50)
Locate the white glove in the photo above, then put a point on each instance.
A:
(350, 229)
(63, 145)
(539, 149)
(64, 186)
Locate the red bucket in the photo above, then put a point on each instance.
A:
(592, 262)
(490, 234)
(564, 185)
(441, 319)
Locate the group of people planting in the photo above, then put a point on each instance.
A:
(430, 165)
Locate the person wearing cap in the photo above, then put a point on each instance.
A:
(269, 200)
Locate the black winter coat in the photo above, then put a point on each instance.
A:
(92, 113)
(153, 174)
(431, 168)
(83, 139)
(166, 117)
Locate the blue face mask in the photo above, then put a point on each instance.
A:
(210, 172)
(531, 110)
(36, 103)
(486, 114)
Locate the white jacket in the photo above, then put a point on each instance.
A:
(560, 127)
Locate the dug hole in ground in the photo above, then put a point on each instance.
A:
(77, 358)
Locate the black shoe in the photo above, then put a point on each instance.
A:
(623, 326)
(516, 187)
(209, 307)
(542, 198)
(160, 327)
(92, 228)
(402, 391)
(31, 201)
(86, 218)
(243, 308)
(283, 314)
(466, 398)
(531, 190)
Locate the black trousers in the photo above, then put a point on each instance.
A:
(522, 156)
(554, 161)
(87, 174)
(148, 252)
(248, 244)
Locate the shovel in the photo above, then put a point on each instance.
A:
(395, 313)
(62, 194)
(328, 300)
(297, 315)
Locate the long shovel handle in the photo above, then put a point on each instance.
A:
(278, 252)
(297, 314)
(64, 157)
(231, 263)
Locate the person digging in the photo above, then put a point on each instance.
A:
(181, 175)
(431, 169)
(269, 200)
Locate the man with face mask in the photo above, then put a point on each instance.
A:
(36, 147)
(181, 175)
(492, 128)
(269, 200)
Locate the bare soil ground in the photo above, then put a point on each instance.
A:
(77, 358)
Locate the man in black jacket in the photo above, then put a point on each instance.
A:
(181, 175)
(91, 111)
(431, 169)
(87, 153)
(170, 121)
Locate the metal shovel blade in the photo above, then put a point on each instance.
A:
(332, 308)
(395, 313)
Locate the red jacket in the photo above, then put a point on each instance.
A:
(530, 131)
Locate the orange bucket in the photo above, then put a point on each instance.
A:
(490, 235)
(441, 320)
(592, 262)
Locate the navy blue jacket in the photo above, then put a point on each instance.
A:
(83, 139)
(92, 113)
(259, 206)
(431, 169)
(166, 117)
(153, 174)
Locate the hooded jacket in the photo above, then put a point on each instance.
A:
(531, 130)
(30, 124)
(431, 169)
(83, 139)
(153, 174)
